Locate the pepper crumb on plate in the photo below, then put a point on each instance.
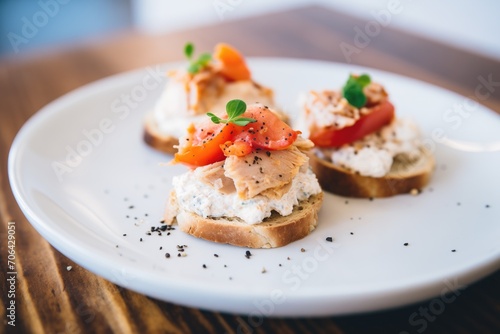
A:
(302, 250)
(414, 192)
(330, 239)
(405, 244)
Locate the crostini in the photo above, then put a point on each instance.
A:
(361, 148)
(249, 182)
(206, 83)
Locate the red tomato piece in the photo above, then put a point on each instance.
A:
(381, 114)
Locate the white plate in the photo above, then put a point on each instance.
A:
(84, 204)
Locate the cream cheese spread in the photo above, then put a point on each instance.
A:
(204, 200)
(373, 155)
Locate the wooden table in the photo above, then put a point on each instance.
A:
(52, 300)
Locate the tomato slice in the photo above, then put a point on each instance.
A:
(209, 142)
(233, 63)
(380, 115)
(204, 146)
(269, 132)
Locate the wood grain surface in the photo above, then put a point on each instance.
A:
(51, 299)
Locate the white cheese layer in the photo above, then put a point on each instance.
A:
(373, 155)
(202, 199)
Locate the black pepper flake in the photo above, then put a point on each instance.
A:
(352, 233)
(148, 233)
(161, 247)
(216, 255)
(124, 234)
(248, 254)
(453, 250)
(131, 207)
(140, 239)
(225, 266)
(279, 264)
(330, 239)
(204, 266)
(406, 244)
(346, 202)
(178, 254)
(167, 255)
(127, 216)
(288, 258)
(268, 153)
(163, 228)
(487, 206)
(302, 250)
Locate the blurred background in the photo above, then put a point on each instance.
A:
(37, 25)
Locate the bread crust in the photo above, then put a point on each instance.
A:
(340, 181)
(154, 138)
(275, 231)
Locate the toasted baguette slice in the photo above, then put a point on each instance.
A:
(404, 177)
(157, 140)
(275, 231)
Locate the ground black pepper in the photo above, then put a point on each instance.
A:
(330, 239)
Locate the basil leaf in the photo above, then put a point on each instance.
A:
(216, 119)
(188, 50)
(194, 68)
(242, 121)
(356, 97)
(353, 90)
(204, 59)
(235, 108)
(364, 80)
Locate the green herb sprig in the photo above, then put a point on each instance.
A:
(195, 65)
(353, 90)
(234, 110)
